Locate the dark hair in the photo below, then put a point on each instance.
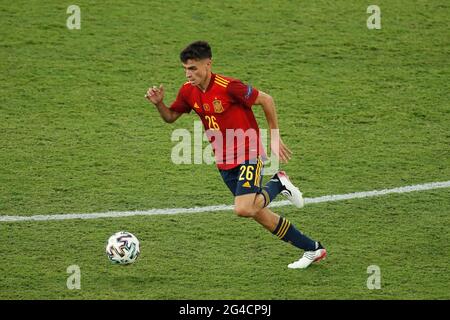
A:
(196, 50)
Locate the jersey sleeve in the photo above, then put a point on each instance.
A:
(180, 104)
(244, 93)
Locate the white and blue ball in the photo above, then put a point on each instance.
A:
(123, 248)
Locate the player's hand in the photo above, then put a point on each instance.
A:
(280, 149)
(285, 153)
(155, 95)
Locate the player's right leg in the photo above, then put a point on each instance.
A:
(310, 256)
(286, 231)
(244, 181)
(250, 202)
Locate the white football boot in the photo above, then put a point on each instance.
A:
(293, 194)
(309, 257)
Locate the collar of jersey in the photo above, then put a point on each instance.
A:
(211, 83)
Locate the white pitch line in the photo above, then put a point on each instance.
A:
(330, 198)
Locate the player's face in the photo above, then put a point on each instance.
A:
(197, 71)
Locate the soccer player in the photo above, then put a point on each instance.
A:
(224, 106)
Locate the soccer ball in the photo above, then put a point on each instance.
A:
(122, 248)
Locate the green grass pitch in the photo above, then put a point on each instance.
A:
(361, 110)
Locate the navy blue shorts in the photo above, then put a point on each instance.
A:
(245, 178)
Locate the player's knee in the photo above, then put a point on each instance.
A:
(245, 211)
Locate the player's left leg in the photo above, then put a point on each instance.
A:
(251, 197)
(280, 183)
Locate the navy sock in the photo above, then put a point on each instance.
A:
(289, 233)
(272, 188)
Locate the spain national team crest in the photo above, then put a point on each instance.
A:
(218, 107)
(206, 107)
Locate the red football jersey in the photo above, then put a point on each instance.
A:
(229, 122)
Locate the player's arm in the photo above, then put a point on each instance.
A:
(277, 145)
(156, 95)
